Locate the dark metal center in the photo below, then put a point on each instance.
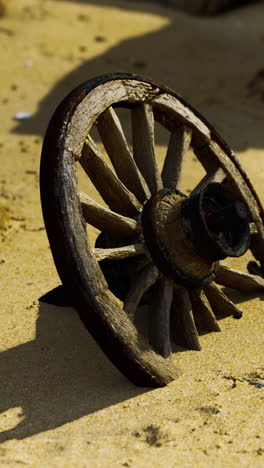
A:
(217, 225)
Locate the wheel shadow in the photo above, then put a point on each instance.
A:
(239, 297)
(59, 377)
(200, 58)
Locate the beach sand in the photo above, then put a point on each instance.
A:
(62, 403)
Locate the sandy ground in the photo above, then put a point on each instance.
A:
(62, 402)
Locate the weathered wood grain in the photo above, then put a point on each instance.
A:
(184, 331)
(203, 314)
(174, 112)
(238, 280)
(179, 143)
(151, 368)
(120, 252)
(144, 145)
(106, 220)
(111, 189)
(144, 280)
(115, 143)
(80, 273)
(159, 331)
(100, 98)
(219, 302)
(179, 247)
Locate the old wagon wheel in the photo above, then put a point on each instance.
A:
(150, 254)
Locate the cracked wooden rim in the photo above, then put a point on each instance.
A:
(125, 180)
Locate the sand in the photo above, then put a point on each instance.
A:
(63, 404)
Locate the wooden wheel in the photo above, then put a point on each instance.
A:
(149, 257)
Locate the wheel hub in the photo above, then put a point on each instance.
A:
(187, 236)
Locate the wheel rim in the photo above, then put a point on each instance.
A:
(125, 187)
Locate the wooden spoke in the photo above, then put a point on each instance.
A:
(220, 302)
(178, 145)
(145, 279)
(203, 314)
(115, 143)
(120, 252)
(184, 331)
(143, 145)
(238, 279)
(211, 157)
(166, 106)
(159, 334)
(106, 220)
(113, 192)
(116, 281)
(217, 175)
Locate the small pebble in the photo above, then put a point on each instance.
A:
(100, 39)
(257, 383)
(22, 115)
(83, 18)
(28, 63)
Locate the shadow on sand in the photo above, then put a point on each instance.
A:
(63, 375)
(213, 67)
(59, 377)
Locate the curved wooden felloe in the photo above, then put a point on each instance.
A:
(126, 180)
